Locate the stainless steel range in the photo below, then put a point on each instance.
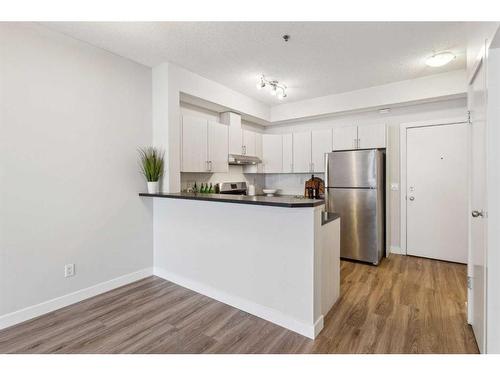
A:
(234, 188)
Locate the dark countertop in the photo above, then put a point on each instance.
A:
(278, 201)
(327, 217)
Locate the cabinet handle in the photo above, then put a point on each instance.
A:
(243, 150)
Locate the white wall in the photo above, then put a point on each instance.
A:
(71, 118)
(166, 128)
(294, 183)
(493, 187)
(479, 34)
(434, 87)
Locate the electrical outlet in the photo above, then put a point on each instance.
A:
(69, 270)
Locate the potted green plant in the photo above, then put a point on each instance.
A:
(151, 163)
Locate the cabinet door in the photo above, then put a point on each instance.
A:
(272, 150)
(287, 153)
(248, 142)
(258, 152)
(321, 141)
(345, 138)
(194, 144)
(217, 147)
(259, 168)
(235, 139)
(302, 152)
(372, 136)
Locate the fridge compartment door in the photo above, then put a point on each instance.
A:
(353, 169)
(361, 222)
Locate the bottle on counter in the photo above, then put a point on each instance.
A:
(211, 189)
(203, 188)
(195, 188)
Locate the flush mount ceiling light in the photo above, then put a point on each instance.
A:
(440, 59)
(276, 89)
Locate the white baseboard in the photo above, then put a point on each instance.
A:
(318, 326)
(272, 315)
(396, 250)
(34, 311)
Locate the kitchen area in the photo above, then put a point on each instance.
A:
(245, 187)
(269, 249)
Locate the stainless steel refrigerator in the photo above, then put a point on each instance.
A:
(355, 189)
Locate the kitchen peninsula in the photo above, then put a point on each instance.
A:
(275, 257)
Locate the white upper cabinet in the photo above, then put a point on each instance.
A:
(233, 120)
(272, 152)
(372, 136)
(217, 147)
(321, 141)
(345, 138)
(259, 152)
(248, 143)
(363, 136)
(194, 144)
(235, 140)
(204, 145)
(287, 153)
(259, 168)
(302, 152)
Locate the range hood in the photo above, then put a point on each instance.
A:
(243, 160)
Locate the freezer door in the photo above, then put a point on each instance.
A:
(361, 222)
(357, 168)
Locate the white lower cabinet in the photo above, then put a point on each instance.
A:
(287, 153)
(204, 145)
(272, 153)
(321, 141)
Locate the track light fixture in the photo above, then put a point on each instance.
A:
(277, 89)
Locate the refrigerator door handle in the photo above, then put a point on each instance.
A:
(326, 172)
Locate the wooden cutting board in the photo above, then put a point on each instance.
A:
(317, 183)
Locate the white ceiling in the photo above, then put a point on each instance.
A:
(321, 58)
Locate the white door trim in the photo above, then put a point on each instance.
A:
(402, 167)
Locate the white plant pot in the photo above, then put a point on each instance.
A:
(153, 187)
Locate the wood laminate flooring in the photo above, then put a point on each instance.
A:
(405, 305)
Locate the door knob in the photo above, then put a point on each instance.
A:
(412, 198)
(477, 213)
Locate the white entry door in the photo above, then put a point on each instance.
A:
(437, 192)
(478, 220)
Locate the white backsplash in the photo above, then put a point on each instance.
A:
(235, 174)
(288, 183)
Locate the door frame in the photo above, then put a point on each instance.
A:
(403, 167)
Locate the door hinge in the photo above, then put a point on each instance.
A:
(469, 282)
(468, 117)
